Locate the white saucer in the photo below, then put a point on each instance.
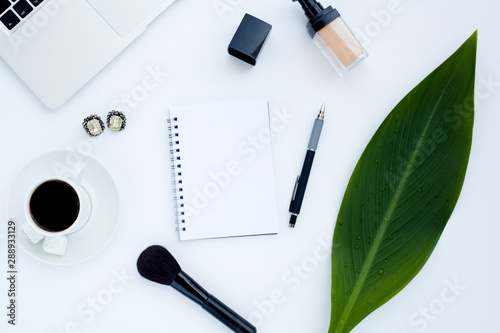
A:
(99, 184)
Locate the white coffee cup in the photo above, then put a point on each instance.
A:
(75, 217)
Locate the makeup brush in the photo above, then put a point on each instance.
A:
(157, 264)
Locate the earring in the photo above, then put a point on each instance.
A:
(93, 125)
(116, 120)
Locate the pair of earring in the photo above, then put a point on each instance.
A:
(94, 125)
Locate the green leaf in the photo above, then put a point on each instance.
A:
(403, 191)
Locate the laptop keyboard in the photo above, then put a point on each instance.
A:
(14, 12)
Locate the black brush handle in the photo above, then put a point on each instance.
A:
(191, 289)
(227, 316)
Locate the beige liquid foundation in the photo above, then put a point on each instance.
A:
(333, 36)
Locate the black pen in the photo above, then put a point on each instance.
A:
(301, 183)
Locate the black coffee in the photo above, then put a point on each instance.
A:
(54, 205)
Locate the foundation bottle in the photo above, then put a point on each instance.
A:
(332, 36)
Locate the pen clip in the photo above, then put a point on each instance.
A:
(294, 191)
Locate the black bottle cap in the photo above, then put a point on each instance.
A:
(249, 39)
(321, 20)
(311, 7)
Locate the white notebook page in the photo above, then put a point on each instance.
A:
(223, 167)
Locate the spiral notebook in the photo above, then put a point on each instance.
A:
(223, 170)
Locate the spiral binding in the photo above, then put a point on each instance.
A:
(176, 159)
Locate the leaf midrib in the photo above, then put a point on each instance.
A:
(385, 222)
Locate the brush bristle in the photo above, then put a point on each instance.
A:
(157, 264)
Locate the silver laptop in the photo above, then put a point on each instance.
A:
(57, 46)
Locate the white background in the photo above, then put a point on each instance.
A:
(189, 42)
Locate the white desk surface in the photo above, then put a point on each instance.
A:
(188, 43)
